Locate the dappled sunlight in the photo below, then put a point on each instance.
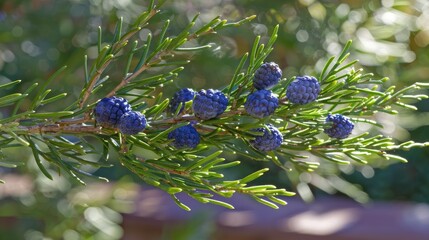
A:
(237, 218)
(320, 223)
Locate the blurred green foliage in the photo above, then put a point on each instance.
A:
(390, 38)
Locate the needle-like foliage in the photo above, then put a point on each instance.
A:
(200, 172)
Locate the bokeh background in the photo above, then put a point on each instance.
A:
(37, 37)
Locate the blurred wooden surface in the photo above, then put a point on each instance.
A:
(328, 218)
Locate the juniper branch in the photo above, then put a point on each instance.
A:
(198, 172)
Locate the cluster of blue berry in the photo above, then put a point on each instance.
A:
(262, 103)
(303, 90)
(206, 104)
(115, 112)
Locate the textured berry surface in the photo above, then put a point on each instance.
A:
(132, 123)
(185, 137)
(303, 90)
(267, 75)
(108, 111)
(271, 139)
(182, 96)
(209, 104)
(261, 103)
(341, 126)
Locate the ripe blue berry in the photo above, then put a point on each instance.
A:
(185, 137)
(303, 90)
(341, 126)
(182, 96)
(261, 103)
(108, 111)
(132, 123)
(267, 75)
(271, 139)
(209, 104)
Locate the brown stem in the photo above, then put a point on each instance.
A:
(127, 79)
(189, 118)
(74, 121)
(144, 67)
(174, 120)
(92, 82)
(57, 128)
(195, 36)
(116, 46)
(157, 59)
